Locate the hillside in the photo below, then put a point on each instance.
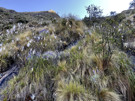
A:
(47, 58)
(9, 17)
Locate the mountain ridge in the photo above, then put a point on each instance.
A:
(9, 17)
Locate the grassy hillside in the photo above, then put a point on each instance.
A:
(9, 17)
(65, 60)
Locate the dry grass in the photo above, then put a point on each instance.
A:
(106, 95)
(71, 91)
(52, 11)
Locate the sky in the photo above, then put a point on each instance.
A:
(65, 7)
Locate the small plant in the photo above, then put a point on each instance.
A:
(97, 61)
(62, 66)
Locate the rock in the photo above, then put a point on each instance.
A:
(33, 97)
(50, 55)
(55, 56)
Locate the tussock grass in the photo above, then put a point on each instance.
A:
(97, 61)
(62, 66)
(71, 91)
(106, 95)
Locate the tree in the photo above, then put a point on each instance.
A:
(112, 13)
(94, 11)
(132, 5)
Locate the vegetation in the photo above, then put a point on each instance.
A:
(65, 60)
(108, 95)
(112, 13)
(71, 92)
(94, 11)
(132, 4)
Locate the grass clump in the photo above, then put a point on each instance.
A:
(106, 95)
(71, 91)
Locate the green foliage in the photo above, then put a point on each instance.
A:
(93, 21)
(94, 11)
(119, 17)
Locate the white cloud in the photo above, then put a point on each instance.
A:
(114, 5)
